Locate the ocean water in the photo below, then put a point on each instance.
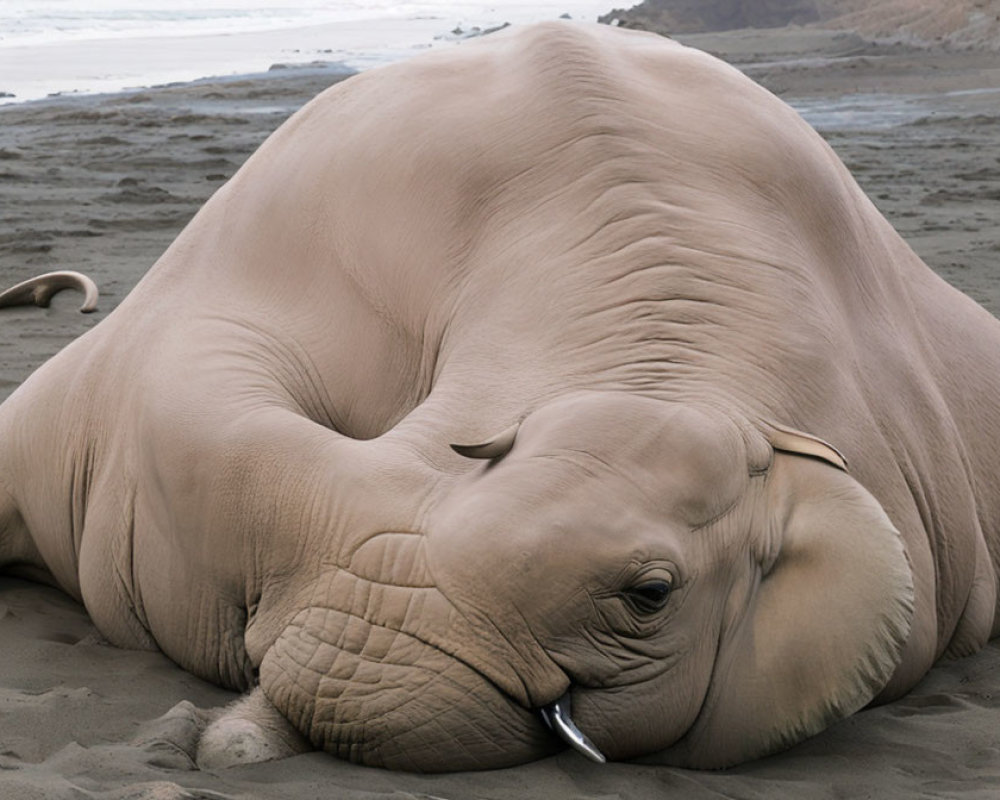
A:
(63, 46)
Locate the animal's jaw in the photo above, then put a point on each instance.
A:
(380, 697)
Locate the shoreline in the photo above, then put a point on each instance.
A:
(143, 63)
(33, 70)
(103, 184)
(297, 72)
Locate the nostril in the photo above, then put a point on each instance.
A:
(557, 717)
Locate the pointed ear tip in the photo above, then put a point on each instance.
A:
(497, 447)
(792, 441)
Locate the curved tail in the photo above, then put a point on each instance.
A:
(39, 290)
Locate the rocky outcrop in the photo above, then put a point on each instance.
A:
(962, 23)
(694, 16)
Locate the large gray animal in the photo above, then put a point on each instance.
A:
(569, 365)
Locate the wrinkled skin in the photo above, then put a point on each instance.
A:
(656, 313)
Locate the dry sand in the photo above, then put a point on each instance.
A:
(104, 184)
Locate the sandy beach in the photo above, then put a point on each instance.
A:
(103, 184)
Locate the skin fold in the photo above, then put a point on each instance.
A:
(566, 363)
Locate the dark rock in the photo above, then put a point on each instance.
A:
(697, 16)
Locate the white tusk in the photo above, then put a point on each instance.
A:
(556, 716)
(39, 290)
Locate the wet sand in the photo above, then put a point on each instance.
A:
(104, 184)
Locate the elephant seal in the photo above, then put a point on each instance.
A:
(565, 376)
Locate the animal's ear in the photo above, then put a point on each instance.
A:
(816, 631)
(497, 447)
(789, 440)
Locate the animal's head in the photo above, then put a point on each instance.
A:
(696, 590)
